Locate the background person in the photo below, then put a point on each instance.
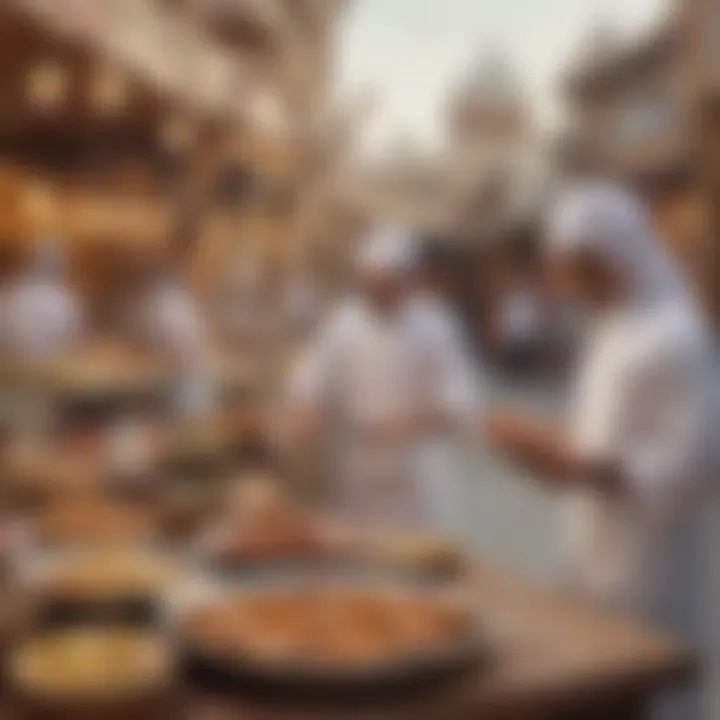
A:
(41, 314)
(632, 458)
(378, 381)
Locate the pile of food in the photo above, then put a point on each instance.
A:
(263, 525)
(327, 625)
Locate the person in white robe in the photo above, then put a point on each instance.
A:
(633, 459)
(378, 380)
(41, 315)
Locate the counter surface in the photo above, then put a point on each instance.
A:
(554, 656)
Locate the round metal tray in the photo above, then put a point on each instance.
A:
(297, 682)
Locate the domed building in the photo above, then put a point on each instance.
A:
(497, 160)
(489, 108)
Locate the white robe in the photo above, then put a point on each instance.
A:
(365, 368)
(642, 403)
(39, 317)
(453, 381)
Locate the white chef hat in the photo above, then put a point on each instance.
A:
(388, 250)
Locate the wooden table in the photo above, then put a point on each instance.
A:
(556, 659)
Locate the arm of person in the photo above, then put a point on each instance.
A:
(666, 384)
(545, 449)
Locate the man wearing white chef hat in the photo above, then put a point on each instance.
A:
(638, 446)
(379, 373)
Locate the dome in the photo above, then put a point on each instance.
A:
(491, 80)
(600, 44)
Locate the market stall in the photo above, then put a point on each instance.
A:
(442, 635)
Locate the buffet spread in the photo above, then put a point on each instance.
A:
(162, 569)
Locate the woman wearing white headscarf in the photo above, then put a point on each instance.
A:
(633, 456)
(41, 316)
(375, 379)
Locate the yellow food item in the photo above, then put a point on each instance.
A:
(91, 662)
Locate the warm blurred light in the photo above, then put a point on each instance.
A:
(268, 113)
(47, 85)
(109, 90)
(177, 134)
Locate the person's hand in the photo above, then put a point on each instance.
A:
(538, 445)
(503, 429)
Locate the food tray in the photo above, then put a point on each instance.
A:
(296, 682)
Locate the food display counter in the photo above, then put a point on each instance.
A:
(555, 659)
(544, 656)
(262, 607)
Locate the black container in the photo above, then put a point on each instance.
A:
(301, 685)
(130, 612)
(310, 684)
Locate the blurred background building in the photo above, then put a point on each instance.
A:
(490, 174)
(127, 122)
(645, 110)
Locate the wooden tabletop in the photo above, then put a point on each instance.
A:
(553, 655)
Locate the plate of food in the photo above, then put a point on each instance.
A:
(101, 379)
(326, 637)
(79, 672)
(99, 586)
(264, 526)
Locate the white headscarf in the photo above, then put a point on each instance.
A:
(41, 315)
(387, 250)
(609, 221)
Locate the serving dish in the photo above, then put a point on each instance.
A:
(325, 637)
(90, 673)
(99, 587)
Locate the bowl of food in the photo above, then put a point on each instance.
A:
(100, 381)
(100, 586)
(326, 638)
(90, 672)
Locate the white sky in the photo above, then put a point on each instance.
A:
(410, 53)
